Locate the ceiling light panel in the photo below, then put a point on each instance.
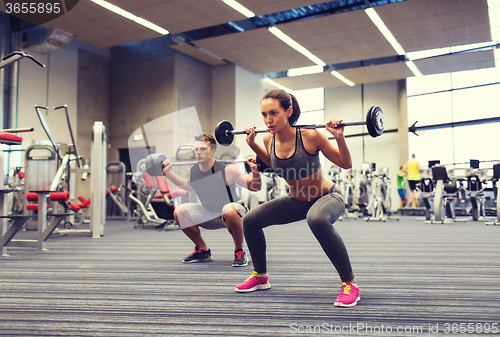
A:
(263, 7)
(340, 38)
(239, 8)
(126, 14)
(181, 15)
(424, 24)
(256, 50)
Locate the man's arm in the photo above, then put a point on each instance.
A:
(234, 175)
(178, 181)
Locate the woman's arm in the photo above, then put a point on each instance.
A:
(259, 151)
(339, 155)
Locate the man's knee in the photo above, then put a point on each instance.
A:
(180, 214)
(230, 214)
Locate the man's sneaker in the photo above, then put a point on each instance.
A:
(349, 295)
(253, 283)
(240, 259)
(198, 256)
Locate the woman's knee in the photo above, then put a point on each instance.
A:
(318, 221)
(324, 214)
(252, 219)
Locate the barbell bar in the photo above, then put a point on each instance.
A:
(154, 163)
(224, 131)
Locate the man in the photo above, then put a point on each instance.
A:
(402, 186)
(412, 169)
(213, 182)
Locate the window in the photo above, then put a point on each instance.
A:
(455, 97)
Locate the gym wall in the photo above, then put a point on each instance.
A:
(249, 92)
(236, 98)
(69, 77)
(150, 80)
(55, 85)
(93, 105)
(352, 103)
(223, 94)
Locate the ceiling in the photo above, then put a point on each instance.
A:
(337, 39)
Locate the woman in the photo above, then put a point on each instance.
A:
(293, 153)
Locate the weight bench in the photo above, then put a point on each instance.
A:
(44, 232)
(13, 228)
(83, 207)
(10, 139)
(9, 231)
(165, 191)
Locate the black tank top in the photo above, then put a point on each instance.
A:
(211, 187)
(299, 166)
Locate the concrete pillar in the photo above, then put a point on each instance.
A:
(402, 122)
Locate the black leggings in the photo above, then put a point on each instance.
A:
(320, 214)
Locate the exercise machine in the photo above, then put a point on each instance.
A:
(40, 171)
(445, 196)
(476, 183)
(17, 56)
(11, 224)
(363, 188)
(62, 182)
(145, 214)
(381, 197)
(116, 207)
(344, 181)
(496, 190)
(427, 191)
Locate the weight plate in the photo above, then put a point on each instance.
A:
(370, 121)
(375, 121)
(222, 134)
(379, 121)
(153, 164)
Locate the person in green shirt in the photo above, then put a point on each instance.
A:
(402, 186)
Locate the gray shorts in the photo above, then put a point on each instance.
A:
(208, 220)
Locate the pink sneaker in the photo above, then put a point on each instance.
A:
(253, 283)
(349, 295)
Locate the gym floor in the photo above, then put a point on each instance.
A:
(415, 279)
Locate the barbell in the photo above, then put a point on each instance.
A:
(224, 131)
(154, 166)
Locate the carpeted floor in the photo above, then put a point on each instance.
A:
(415, 278)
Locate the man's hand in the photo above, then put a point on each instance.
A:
(250, 135)
(253, 164)
(167, 166)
